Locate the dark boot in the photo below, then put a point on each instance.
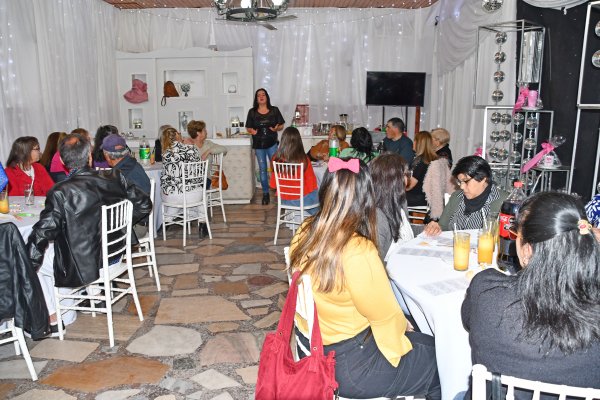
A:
(202, 230)
(266, 199)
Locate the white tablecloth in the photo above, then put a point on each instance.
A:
(434, 293)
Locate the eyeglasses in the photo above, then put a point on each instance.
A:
(459, 182)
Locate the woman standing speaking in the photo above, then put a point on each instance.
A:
(263, 122)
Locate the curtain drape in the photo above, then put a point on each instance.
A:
(57, 67)
(558, 4)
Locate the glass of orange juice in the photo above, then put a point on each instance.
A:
(4, 209)
(462, 248)
(485, 247)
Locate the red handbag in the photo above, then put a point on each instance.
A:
(282, 378)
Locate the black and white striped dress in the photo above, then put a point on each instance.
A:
(473, 220)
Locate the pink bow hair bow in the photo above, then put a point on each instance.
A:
(335, 164)
(546, 148)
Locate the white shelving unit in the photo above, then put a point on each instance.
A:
(220, 88)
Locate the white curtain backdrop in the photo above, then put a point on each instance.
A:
(57, 60)
(558, 4)
(321, 58)
(453, 83)
(57, 67)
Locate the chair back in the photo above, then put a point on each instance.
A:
(194, 175)
(481, 375)
(289, 178)
(116, 231)
(151, 228)
(216, 167)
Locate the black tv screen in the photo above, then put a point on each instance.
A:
(395, 88)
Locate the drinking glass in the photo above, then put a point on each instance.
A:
(4, 209)
(462, 248)
(28, 193)
(485, 247)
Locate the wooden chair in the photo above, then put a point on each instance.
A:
(481, 376)
(289, 179)
(215, 194)
(193, 175)
(146, 244)
(116, 244)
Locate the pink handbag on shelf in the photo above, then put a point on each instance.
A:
(280, 376)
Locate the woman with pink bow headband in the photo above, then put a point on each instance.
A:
(377, 353)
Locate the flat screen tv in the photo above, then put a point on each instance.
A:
(395, 88)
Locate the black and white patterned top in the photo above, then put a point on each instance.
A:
(171, 179)
(473, 220)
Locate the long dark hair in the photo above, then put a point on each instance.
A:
(51, 148)
(255, 104)
(20, 153)
(291, 149)
(347, 208)
(560, 286)
(101, 133)
(362, 141)
(388, 172)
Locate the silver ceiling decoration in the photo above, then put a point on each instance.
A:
(491, 5)
(250, 10)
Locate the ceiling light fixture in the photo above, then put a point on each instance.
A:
(250, 10)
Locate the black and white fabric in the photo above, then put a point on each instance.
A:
(473, 220)
(171, 181)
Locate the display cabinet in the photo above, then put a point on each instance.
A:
(213, 86)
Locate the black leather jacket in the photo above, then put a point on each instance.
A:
(72, 218)
(21, 295)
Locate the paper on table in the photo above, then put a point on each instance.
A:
(8, 217)
(446, 286)
(423, 251)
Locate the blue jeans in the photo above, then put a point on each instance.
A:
(309, 200)
(264, 156)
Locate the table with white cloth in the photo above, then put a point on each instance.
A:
(24, 217)
(422, 269)
(155, 171)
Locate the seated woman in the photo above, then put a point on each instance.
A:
(440, 138)
(424, 155)
(362, 146)
(291, 150)
(477, 195)
(198, 134)
(22, 168)
(98, 160)
(389, 175)
(175, 152)
(51, 148)
(541, 324)
(320, 151)
(157, 145)
(376, 352)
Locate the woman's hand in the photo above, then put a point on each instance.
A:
(251, 131)
(412, 182)
(409, 326)
(276, 128)
(432, 229)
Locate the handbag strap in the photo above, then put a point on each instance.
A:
(286, 321)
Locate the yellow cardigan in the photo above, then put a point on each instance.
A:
(365, 300)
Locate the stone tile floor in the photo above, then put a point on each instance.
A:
(201, 335)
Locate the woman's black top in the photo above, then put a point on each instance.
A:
(264, 137)
(416, 196)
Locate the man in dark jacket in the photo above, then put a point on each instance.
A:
(72, 216)
(117, 156)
